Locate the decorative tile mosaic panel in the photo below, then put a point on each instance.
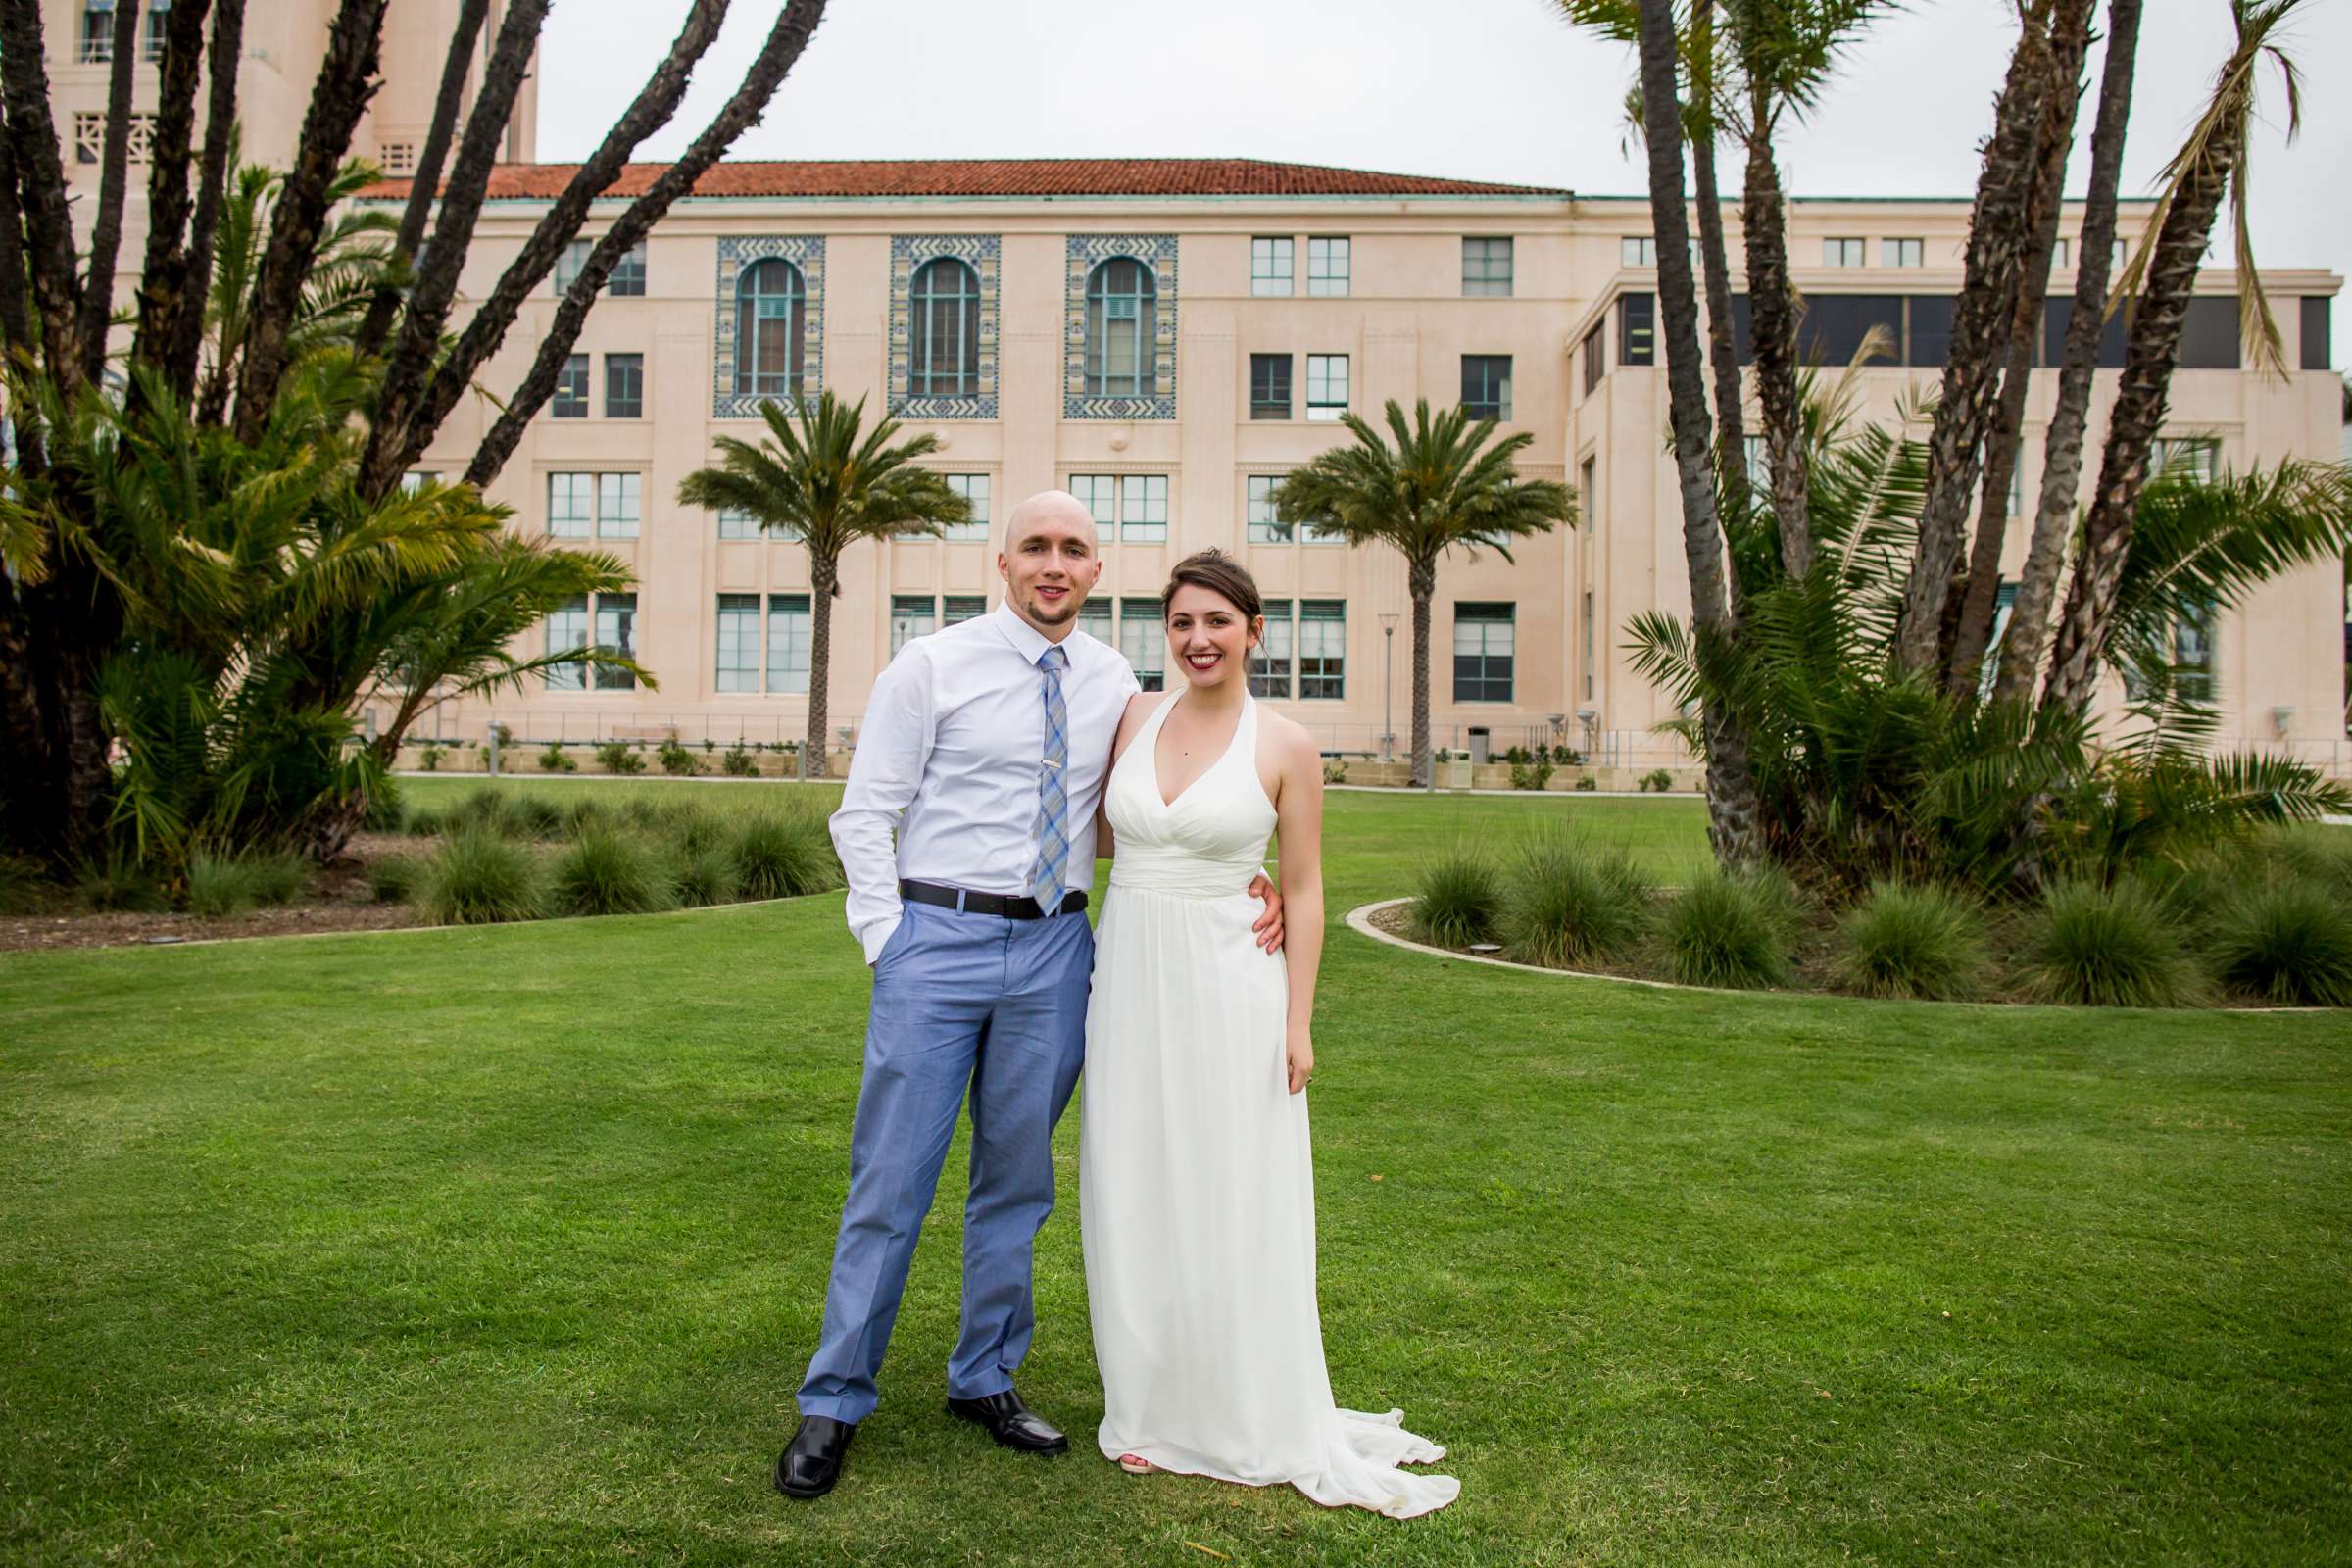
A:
(1085, 253)
(735, 253)
(982, 253)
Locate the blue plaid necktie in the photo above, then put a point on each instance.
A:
(1052, 790)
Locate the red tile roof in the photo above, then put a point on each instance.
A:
(999, 176)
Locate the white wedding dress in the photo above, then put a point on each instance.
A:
(1196, 1180)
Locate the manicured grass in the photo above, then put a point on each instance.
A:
(508, 1245)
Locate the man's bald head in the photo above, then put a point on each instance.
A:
(1056, 506)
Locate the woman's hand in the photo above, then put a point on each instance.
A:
(1300, 1057)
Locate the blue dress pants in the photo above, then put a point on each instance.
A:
(960, 1001)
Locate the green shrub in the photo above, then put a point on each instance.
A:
(1905, 941)
(705, 875)
(1334, 771)
(2288, 941)
(2322, 855)
(1567, 902)
(1724, 931)
(1460, 899)
(588, 813)
(2105, 947)
(782, 855)
(488, 808)
(218, 885)
(556, 761)
(423, 822)
(677, 760)
(616, 758)
(2191, 893)
(1529, 776)
(1779, 897)
(115, 883)
(695, 828)
(386, 812)
(478, 877)
(23, 884)
(1588, 782)
(395, 878)
(738, 763)
(536, 816)
(431, 759)
(279, 878)
(1657, 779)
(610, 873)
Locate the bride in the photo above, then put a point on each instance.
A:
(1196, 1180)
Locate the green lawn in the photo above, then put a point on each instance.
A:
(509, 1244)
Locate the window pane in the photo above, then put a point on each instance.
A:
(567, 629)
(570, 504)
(1270, 386)
(1264, 527)
(738, 642)
(624, 386)
(1487, 385)
(770, 328)
(1270, 665)
(571, 400)
(1143, 507)
(617, 496)
(1322, 650)
(1325, 385)
(1486, 266)
(957, 609)
(1094, 619)
(1899, 253)
(628, 273)
(733, 525)
(569, 261)
(1270, 265)
(973, 487)
(1120, 327)
(1143, 639)
(1637, 250)
(787, 642)
(1483, 649)
(910, 615)
(1637, 329)
(616, 629)
(1328, 261)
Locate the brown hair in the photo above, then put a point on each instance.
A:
(1222, 576)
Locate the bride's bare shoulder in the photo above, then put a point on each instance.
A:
(1287, 745)
(1138, 709)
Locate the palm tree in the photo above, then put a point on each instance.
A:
(2210, 164)
(1436, 490)
(823, 483)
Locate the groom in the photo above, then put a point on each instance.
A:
(985, 748)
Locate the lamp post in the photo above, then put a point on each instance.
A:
(1388, 663)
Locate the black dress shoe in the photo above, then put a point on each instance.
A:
(1011, 1423)
(812, 1462)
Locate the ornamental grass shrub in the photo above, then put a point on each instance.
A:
(705, 875)
(478, 877)
(606, 872)
(1906, 940)
(218, 885)
(1458, 900)
(2106, 947)
(1725, 931)
(1567, 901)
(395, 878)
(2284, 940)
(782, 855)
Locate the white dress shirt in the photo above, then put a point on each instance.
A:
(951, 757)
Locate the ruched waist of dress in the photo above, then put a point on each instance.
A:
(1182, 873)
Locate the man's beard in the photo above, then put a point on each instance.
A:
(1069, 608)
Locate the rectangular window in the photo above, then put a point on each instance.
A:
(616, 631)
(788, 643)
(1757, 459)
(2193, 655)
(957, 609)
(566, 629)
(1903, 253)
(1270, 386)
(1326, 267)
(1094, 619)
(571, 505)
(2062, 253)
(570, 262)
(1270, 665)
(97, 32)
(617, 499)
(1101, 493)
(733, 525)
(2316, 332)
(1487, 386)
(1483, 646)
(1270, 265)
(1638, 330)
(973, 487)
(1595, 361)
(1637, 250)
(572, 389)
(1322, 650)
(1587, 496)
(1485, 267)
(738, 642)
(628, 273)
(910, 615)
(1264, 527)
(151, 42)
(2209, 336)
(1844, 252)
(416, 479)
(1143, 639)
(1143, 508)
(1325, 385)
(1586, 615)
(624, 386)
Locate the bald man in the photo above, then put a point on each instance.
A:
(983, 750)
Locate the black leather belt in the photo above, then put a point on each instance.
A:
(1021, 907)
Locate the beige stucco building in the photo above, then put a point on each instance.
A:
(1166, 338)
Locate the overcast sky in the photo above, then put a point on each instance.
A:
(1491, 90)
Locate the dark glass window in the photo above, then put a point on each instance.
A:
(98, 31)
(2061, 311)
(624, 386)
(1931, 336)
(2316, 330)
(2209, 337)
(771, 329)
(159, 15)
(615, 632)
(628, 273)
(1270, 666)
(1743, 337)
(1270, 386)
(1122, 307)
(572, 389)
(1834, 326)
(1638, 330)
(1484, 645)
(1487, 386)
(1595, 361)
(943, 360)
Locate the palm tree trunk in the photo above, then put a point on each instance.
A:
(1421, 583)
(41, 199)
(1772, 328)
(1999, 237)
(824, 576)
(114, 176)
(185, 344)
(2062, 453)
(424, 183)
(164, 271)
(2153, 350)
(1723, 353)
(1731, 805)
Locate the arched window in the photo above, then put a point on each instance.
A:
(942, 358)
(771, 329)
(1120, 329)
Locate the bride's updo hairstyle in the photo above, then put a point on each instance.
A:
(1222, 576)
